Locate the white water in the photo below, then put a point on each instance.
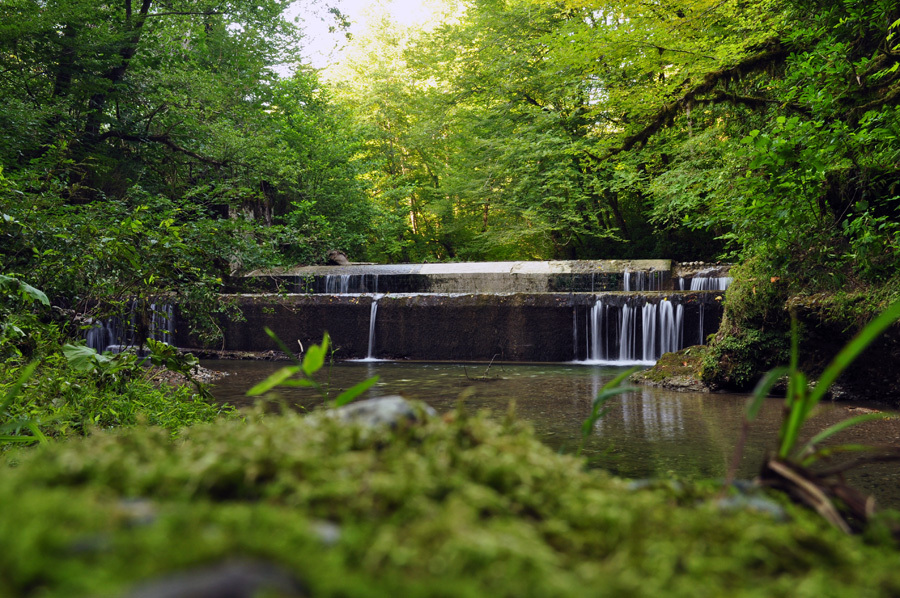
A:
(633, 334)
(117, 334)
(345, 284)
(370, 356)
(642, 281)
(712, 283)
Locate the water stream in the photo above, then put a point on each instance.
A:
(647, 433)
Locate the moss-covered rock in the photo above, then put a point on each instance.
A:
(680, 371)
(755, 334)
(459, 506)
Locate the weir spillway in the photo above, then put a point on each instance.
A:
(588, 311)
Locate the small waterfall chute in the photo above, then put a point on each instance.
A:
(118, 333)
(634, 330)
(710, 283)
(373, 313)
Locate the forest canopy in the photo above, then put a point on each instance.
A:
(159, 146)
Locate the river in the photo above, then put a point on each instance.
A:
(648, 432)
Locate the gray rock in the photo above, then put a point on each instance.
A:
(384, 411)
(230, 579)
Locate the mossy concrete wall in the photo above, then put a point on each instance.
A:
(538, 327)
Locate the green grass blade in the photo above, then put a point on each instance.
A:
(608, 391)
(37, 432)
(19, 439)
(797, 415)
(762, 390)
(16, 389)
(842, 425)
(281, 345)
(273, 380)
(852, 350)
(618, 379)
(838, 449)
(354, 391)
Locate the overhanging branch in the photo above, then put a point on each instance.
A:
(771, 52)
(164, 140)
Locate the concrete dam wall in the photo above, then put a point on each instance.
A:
(590, 311)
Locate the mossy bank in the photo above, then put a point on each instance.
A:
(459, 506)
(755, 337)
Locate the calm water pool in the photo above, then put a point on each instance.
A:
(647, 433)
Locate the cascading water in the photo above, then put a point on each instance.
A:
(343, 284)
(642, 281)
(370, 356)
(631, 332)
(337, 284)
(711, 283)
(708, 283)
(117, 333)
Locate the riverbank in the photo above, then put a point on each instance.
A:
(754, 337)
(452, 506)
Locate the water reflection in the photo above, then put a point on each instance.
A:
(646, 433)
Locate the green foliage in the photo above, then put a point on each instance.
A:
(789, 469)
(58, 402)
(69, 389)
(9, 428)
(802, 399)
(736, 360)
(313, 361)
(153, 149)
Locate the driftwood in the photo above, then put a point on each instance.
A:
(484, 377)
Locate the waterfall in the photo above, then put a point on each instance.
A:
(597, 335)
(118, 333)
(372, 313)
(343, 284)
(642, 281)
(710, 283)
(648, 315)
(671, 324)
(638, 331)
(337, 284)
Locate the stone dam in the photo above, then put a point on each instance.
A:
(616, 311)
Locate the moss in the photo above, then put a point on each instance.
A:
(754, 335)
(464, 507)
(679, 370)
(738, 357)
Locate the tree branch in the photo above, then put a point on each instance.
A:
(184, 13)
(165, 140)
(770, 52)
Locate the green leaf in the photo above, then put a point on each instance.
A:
(277, 378)
(16, 388)
(827, 451)
(762, 390)
(314, 358)
(26, 290)
(34, 293)
(81, 357)
(354, 391)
